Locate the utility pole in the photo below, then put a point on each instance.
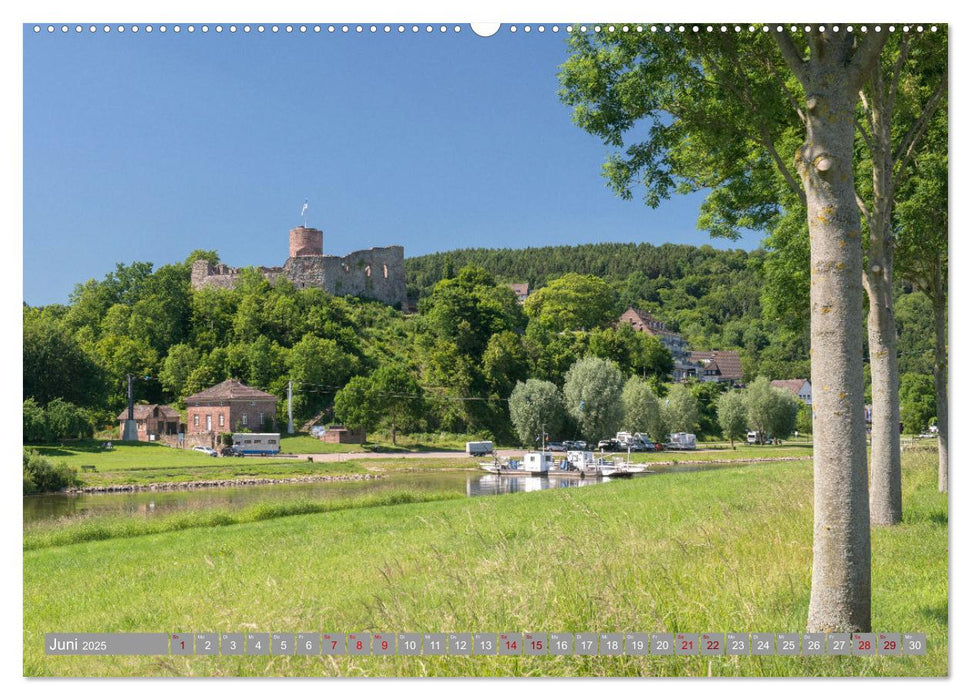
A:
(290, 407)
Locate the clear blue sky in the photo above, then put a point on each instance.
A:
(147, 146)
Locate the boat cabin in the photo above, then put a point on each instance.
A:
(537, 462)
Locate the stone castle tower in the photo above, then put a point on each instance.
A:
(376, 273)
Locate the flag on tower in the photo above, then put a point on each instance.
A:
(303, 213)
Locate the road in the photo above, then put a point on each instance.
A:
(347, 456)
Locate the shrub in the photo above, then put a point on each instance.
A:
(41, 476)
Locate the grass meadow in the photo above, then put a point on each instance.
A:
(711, 551)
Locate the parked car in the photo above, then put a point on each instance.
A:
(230, 451)
(205, 450)
(555, 447)
(608, 444)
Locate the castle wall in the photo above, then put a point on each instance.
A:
(377, 273)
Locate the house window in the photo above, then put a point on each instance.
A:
(222, 420)
(195, 420)
(208, 423)
(261, 418)
(243, 419)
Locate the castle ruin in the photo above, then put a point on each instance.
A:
(376, 273)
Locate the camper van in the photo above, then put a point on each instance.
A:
(682, 441)
(479, 449)
(256, 443)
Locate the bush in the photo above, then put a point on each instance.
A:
(41, 476)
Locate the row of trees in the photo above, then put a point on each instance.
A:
(865, 114)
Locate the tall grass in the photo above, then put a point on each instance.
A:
(711, 551)
(55, 534)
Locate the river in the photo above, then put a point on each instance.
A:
(151, 503)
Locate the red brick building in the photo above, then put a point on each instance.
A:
(152, 420)
(229, 407)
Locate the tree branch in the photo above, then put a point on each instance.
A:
(861, 205)
(897, 71)
(792, 55)
(906, 149)
(786, 90)
(866, 53)
(745, 97)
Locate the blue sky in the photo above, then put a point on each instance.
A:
(147, 146)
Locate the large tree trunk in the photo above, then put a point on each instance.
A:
(939, 301)
(840, 596)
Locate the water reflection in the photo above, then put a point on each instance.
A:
(150, 503)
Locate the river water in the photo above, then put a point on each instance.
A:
(150, 503)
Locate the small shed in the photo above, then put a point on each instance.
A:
(338, 434)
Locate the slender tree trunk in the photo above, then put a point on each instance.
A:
(886, 507)
(939, 301)
(840, 596)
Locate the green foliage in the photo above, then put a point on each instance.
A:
(177, 367)
(534, 406)
(35, 423)
(41, 476)
(633, 351)
(573, 302)
(55, 365)
(67, 421)
(642, 411)
(917, 404)
(391, 394)
(592, 392)
(680, 410)
(771, 411)
(733, 415)
(504, 363)
(319, 367)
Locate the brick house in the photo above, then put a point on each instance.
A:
(152, 421)
(338, 434)
(228, 407)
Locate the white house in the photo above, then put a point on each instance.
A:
(800, 387)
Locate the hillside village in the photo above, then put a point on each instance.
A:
(461, 343)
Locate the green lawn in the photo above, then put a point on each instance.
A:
(715, 551)
(704, 453)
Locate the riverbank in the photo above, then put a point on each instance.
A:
(721, 550)
(218, 483)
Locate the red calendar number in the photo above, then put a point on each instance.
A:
(511, 645)
(359, 645)
(384, 646)
(712, 645)
(687, 644)
(889, 645)
(537, 644)
(864, 645)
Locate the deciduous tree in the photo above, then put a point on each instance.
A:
(592, 392)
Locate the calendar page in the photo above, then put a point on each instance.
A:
(587, 348)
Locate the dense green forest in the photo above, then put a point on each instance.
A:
(458, 358)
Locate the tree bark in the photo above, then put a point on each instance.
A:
(939, 301)
(840, 596)
(886, 506)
